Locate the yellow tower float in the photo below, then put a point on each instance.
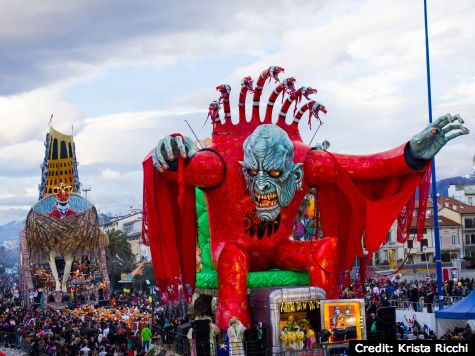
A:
(62, 247)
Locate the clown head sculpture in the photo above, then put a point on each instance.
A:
(271, 175)
(62, 201)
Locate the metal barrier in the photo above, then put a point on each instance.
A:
(424, 307)
(170, 341)
(415, 306)
(13, 340)
(452, 299)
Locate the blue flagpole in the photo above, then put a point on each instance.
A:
(438, 264)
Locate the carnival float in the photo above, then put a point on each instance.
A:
(62, 248)
(248, 186)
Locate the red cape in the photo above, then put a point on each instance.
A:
(350, 209)
(171, 230)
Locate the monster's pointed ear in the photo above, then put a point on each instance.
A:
(242, 164)
(297, 172)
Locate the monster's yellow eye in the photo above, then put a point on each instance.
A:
(275, 173)
(252, 172)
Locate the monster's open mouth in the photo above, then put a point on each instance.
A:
(266, 201)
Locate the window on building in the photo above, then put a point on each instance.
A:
(410, 243)
(54, 154)
(63, 153)
(424, 243)
(469, 222)
(470, 200)
(413, 230)
(128, 229)
(470, 239)
(454, 239)
(389, 236)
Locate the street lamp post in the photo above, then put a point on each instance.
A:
(86, 188)
(427, 258)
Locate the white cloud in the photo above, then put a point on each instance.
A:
(109, 175)
(366, 58)
(25, 115)
(125, 139)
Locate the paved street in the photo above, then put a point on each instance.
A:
(12, 352)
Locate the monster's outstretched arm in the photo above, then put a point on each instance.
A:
(319, 168)
(204, 169)
(412, 156)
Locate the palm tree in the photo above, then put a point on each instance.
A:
(119, 247)
(119, 254)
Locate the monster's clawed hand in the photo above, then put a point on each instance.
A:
(428, 142)
(325, 145)
(169, 149)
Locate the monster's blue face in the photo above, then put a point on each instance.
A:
(271, 175)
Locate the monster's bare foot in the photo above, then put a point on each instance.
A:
(229, 309)
(323, 269)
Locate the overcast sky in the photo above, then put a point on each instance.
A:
(126, 73)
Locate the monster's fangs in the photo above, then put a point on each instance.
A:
(266, 200)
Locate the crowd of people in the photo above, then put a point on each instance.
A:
(46, 331)
(417, 295)
(128, 324)
(384, 292)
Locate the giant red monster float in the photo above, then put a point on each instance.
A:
(255, 175)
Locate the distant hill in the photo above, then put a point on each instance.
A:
(11, 230)
(443, 185)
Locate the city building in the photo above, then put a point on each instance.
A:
(453, 235)
(118, 222)
(131, 225)
(464, 215)
(463, 192)
(392, 249)
(133, 229)
(424, 250)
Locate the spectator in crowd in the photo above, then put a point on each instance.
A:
(67, 331)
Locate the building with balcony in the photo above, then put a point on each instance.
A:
(133, 229)
(131, 225)
(456, 231)
(119, 222)
(391, 248)
(424, 250)
(464, 215)
(463, 192)
(469, 234)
